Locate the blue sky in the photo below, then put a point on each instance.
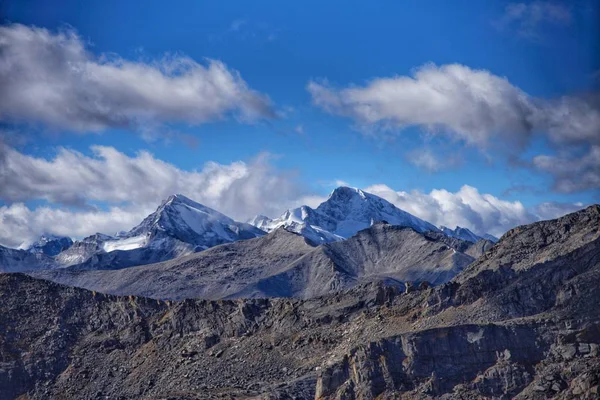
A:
(544, 49)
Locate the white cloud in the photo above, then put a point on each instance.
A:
(480, 212)
(20, 224)
(52, 78)
(527, 18)
(474, 106)
(471, 106)
(432, 161)
(133, 186)
(572, 174)
(425, 158)
(571, 120)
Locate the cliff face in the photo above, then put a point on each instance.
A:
(512, 325)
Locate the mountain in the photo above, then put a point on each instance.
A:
(491, 238)
(261, 222)
(521, 322)
(50, 245)
(287, 264)
(466, 234)
(343, 214)
(18, 260)
(382, 253)
(178, 227)
(461, 233)
(306, 222)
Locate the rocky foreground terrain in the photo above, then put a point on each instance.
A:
(520, 322)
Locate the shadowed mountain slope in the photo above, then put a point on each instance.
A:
(285, 264)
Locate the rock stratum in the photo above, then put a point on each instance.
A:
(521, 322)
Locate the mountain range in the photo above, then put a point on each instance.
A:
(178, 227)
(521, 321)
(343, 214)
(181, 226)
(286, 264)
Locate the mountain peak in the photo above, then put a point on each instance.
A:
(192, 223)
(353, 209)
(261, 222)
(461, 233)
(346, 211)
(179, 198)
(346, 192)
(50, 244)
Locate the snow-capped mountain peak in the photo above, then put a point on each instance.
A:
(179, 226)
(353, 210)
(188, 221)
(261, 222)
(50, 244)
(343, 214)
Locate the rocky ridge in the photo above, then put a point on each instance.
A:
(286, 264)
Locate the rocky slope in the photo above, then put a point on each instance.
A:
(16, 260)
(285, 264)
(522, 322)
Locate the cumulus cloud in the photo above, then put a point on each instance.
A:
(132, 186)
(53, 79)
(475, 106)
(471, 106)
(572, 174)
(20, 225)
(482, 213)
(571, 120)
(526, 19)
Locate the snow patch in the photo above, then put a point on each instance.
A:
(473, 337)
(124, 244)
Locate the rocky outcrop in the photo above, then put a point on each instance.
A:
(497, 360)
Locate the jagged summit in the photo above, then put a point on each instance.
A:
(179, 226)
(183, 218)
(50, 244)
(545, 241)
(353, 209)
(461, 233)
(345, 212)
(466, 234)
(342, 193)
(260, 221)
